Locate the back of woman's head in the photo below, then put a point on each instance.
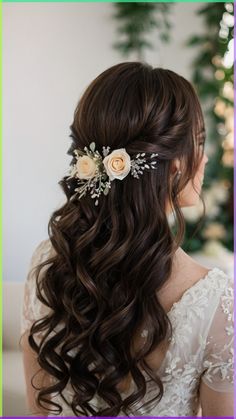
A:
(111, 259)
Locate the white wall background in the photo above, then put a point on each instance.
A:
(51, 52)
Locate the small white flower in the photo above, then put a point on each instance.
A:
(229, 330)
(144, 333)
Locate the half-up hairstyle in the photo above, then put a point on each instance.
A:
(110, 260)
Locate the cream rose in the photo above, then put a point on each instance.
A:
(117, 164)
(85, 167)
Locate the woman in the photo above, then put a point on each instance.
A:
(118, 320)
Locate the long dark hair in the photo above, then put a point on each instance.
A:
(110, 260)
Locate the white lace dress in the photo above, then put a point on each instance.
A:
(201, 347)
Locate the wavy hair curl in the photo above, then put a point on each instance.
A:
(111, 260)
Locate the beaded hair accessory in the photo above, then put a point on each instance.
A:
(95, 172)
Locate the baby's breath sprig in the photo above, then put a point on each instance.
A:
(139, 163)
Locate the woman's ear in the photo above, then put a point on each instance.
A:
(175, 166)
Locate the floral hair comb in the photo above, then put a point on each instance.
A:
(95, 172)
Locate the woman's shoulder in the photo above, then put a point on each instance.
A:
(41, 252)
(214, 283)
(44, 246)
(32, 307)
(206, 296)
(195, 271)
(214, 280)
(189, 279)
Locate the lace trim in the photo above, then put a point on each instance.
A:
(220, 367)
(191, 305)
(189, 293)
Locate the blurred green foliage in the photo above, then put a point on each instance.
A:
(136, 22)
(211, 72)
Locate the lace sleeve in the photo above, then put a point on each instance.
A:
(32, 308)
(218, 363)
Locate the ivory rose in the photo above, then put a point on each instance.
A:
(85, 167)
(117, 164)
